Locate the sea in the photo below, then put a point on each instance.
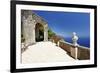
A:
(82, 41)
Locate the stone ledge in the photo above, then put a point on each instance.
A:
(82, 54)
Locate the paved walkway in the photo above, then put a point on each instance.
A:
(45, 52)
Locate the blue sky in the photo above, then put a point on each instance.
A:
(65, 23)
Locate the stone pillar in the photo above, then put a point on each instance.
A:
(76, 53)
(33, 37)
(33, 32)
(25, 32)
(58, 43)
(75, 39)
(29, 31)
(45, 33)
(53, 41)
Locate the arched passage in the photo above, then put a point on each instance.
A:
(39, 32)
(34, 28)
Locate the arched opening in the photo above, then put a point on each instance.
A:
(39, 32)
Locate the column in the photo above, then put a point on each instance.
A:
(45, 33)
(33, 39)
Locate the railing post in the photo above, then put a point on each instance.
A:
(75, 39)
(53, 41)
(76, 53)
(58, 43)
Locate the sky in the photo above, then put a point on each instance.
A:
(65, 23)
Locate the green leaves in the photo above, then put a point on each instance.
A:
(50, 33)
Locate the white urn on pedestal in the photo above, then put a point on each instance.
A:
(75, 39)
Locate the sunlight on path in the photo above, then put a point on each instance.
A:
(45, 52)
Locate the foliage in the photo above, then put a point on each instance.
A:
(50, 33)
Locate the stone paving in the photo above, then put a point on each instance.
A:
(42, 52)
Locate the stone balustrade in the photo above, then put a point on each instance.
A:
(82, 53)
(73, 49)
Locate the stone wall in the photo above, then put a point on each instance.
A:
(29, 20)
(66, 47)
(83, 53)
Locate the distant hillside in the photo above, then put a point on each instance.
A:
(53, 36)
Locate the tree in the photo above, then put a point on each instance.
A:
(50, 33)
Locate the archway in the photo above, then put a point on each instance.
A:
(39, 32)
